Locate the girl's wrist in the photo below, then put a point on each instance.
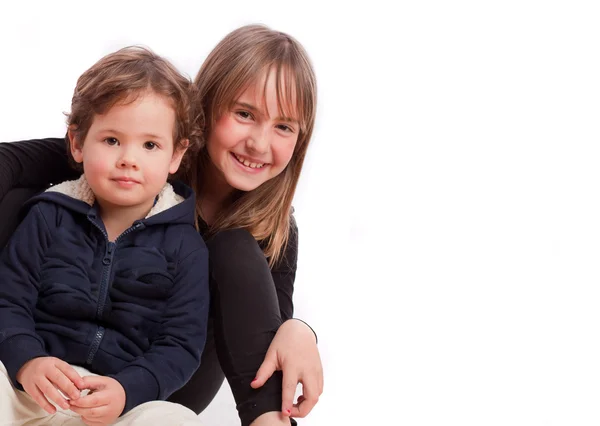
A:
(306, 324)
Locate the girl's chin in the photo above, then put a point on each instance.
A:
(243, 184)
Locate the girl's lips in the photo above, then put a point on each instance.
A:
(249, 162)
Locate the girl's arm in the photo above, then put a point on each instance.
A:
(34, 163)
(294, 348)
(284, 274)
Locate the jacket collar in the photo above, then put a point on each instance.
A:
(80, 190)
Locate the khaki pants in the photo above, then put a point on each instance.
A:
(18, 408)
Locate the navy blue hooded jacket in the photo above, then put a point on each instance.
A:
(134, 309)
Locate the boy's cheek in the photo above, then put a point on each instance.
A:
(97, 163)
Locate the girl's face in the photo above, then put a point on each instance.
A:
(251, 143)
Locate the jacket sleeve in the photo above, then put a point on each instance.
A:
(19, 287)
(35, 163)
(175, 354)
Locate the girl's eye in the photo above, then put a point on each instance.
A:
(285, 128)
(150, 145)
(244, 114)
(111, 141)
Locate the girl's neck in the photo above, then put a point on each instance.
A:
(215, 194)
(117, 219)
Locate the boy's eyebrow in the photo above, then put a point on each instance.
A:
(256, 110)
(145, 135)
(151, 136)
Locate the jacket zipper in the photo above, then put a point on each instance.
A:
(107, 261)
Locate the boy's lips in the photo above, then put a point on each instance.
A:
(126, 179)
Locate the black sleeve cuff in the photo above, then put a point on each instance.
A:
(17, 351)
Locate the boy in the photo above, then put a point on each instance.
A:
(104, 285)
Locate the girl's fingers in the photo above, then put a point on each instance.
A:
(290, 383)
(306, 402)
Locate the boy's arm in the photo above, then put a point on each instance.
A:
(19, 285)
(175, 354)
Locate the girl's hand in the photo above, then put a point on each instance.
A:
(294, 352)
(104, 404)
(43, 378)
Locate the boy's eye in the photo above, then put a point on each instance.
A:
(111, 141)
(150, 145)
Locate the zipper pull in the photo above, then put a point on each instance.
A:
(108, 256)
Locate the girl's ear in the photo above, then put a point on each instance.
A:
(76, 150)
(178, 155)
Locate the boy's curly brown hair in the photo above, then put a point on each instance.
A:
(121, 78)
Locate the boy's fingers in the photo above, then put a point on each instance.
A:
(38, 396)
(52, 393)
(92, 413)
(96, 399)
(79, 410)
(64, 383)
(94, 382)
(72, 375)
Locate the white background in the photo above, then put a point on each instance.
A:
(449, 213)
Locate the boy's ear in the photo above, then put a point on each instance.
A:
(178, 155)
(76, 150)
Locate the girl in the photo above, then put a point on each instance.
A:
(258, 94)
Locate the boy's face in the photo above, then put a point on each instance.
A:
(128, 152)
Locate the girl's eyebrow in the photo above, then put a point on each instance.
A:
(254, 109)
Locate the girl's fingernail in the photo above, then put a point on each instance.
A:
(255, 379)
(288, 411)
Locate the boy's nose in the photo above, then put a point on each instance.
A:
(127, 160)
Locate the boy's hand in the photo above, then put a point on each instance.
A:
(105, 402)
(43, 377)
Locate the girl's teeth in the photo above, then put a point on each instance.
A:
(249, 164)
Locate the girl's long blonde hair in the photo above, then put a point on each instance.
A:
(241, 59)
